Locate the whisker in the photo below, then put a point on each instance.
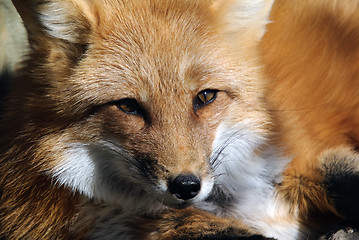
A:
(123, 155)
(218, 157)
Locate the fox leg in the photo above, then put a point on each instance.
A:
(329, 197)
(194, 224)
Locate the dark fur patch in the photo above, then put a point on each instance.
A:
(4, 85)
(341, 179)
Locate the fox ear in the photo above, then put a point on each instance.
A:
(68, 20)
(243, 22)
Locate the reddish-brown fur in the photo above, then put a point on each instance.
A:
(52, 103)
(311, 53)
(311, 57)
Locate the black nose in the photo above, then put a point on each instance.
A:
(185, 186)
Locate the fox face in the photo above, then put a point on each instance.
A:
(143, 99)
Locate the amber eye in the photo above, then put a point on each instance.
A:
(204, 97)
(130, 106)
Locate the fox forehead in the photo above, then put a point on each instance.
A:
(148, 76)
(136, 57)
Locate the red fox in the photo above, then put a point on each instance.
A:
(172, 119)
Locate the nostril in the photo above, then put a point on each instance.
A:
(185, 186)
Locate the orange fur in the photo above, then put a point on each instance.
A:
(88, 55)
(311, 53)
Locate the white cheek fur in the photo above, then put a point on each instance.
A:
(103, 172)
(246, 169)
(77, 170)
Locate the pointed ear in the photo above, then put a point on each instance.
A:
(68, 20)
(243, 22)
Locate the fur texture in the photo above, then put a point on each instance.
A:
(311, 56)
(107, 113)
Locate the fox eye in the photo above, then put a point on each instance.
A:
(130, 106)
(204, 97)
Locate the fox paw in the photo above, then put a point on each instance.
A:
(192, 224)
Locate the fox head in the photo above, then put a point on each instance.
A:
(129, 99)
